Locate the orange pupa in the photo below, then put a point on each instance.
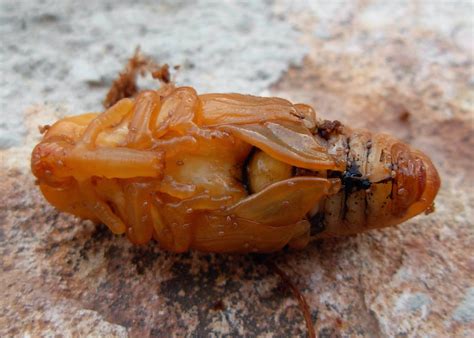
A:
(228, 172)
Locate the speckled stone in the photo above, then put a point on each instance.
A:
(402, 69)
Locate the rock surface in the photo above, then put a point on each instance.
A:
(405, 68)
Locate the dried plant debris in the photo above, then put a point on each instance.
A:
(126, 83)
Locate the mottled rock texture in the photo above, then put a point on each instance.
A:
(399, 67)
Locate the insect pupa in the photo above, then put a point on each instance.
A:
(228, 172)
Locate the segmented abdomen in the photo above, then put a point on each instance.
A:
(382, 180)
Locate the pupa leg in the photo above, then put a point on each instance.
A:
(110, 117)
(225, 109)
(145, 112)
(100, 209)
(60, 161)
(162, 232)
(177, 112)
(68, 199)
(137, 210)
(113, 162)
(174, 232)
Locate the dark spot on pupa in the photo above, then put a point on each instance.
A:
(353, 180)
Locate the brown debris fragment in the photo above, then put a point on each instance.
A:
(43, 129)
(218, 306)
(327, 128)
(430, 209)
(126, 83)
(399, 109)
(404, 116)
(162, 74)
(299, 297)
